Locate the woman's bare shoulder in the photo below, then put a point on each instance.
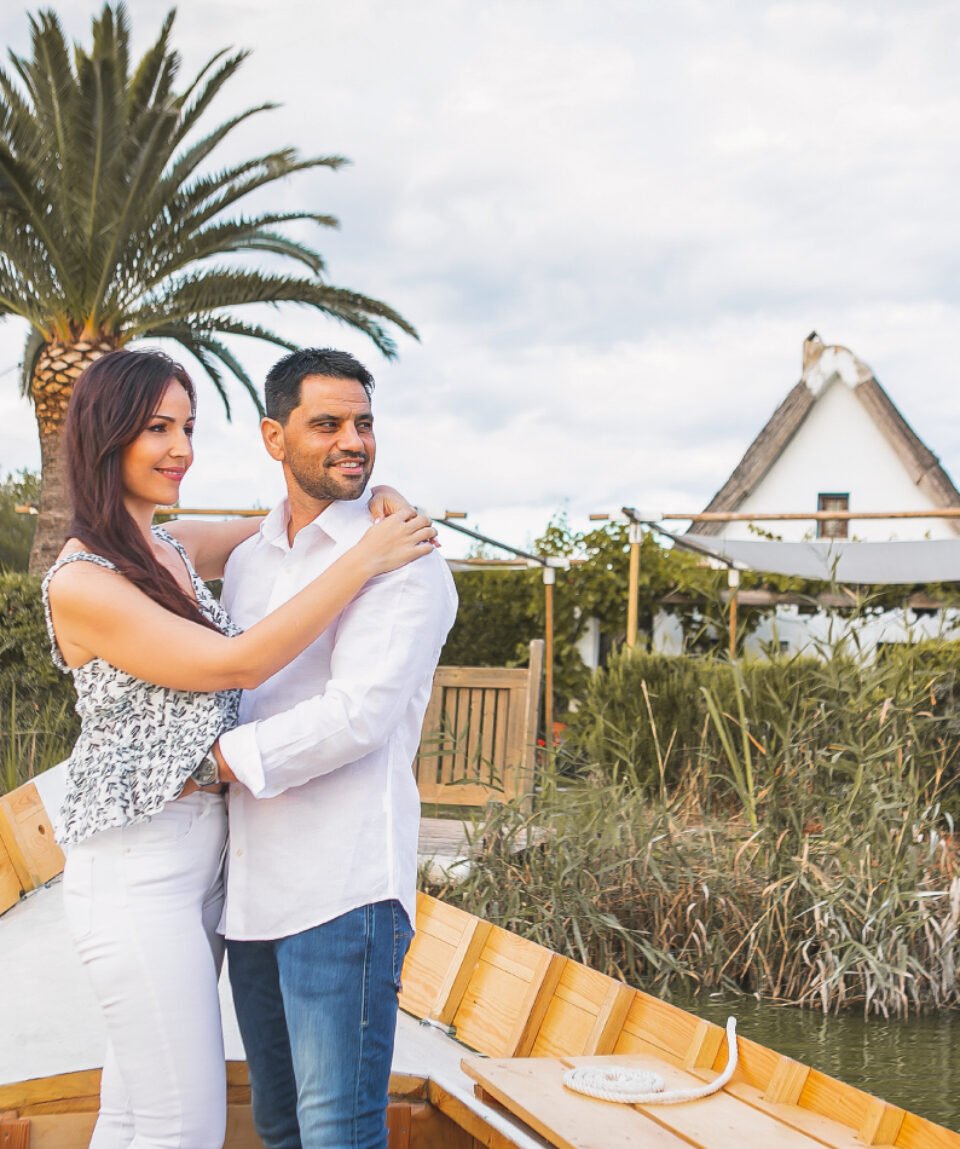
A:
(73, 547)
(74, 580)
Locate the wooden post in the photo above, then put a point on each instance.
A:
(549, 578)
(733, 582)
(633, 583)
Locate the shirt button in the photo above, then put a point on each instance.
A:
(239, 853)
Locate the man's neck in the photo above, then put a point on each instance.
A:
(303, 510)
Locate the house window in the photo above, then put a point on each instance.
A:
(832, 528)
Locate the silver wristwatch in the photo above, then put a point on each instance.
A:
(208, 772)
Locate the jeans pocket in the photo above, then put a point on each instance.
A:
(402, 936)
(173, 822)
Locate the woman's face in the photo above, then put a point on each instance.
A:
(152, 466)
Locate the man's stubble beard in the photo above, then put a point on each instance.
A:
(324, 487)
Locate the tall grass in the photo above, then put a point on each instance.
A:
(802, 848)
(33, 737)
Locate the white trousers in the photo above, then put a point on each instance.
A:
(143, 903)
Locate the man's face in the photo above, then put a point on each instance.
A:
(327, 446)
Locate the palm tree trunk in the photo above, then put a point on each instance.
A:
(57, 368)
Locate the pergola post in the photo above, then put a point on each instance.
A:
(633, 582)
(733, 582)
(549, 579)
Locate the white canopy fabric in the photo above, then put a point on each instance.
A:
(835, 560)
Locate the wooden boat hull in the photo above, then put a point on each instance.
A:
(489, 1023)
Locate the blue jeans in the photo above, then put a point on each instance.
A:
(318, 1014)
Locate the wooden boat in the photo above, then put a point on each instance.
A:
(490, 1022)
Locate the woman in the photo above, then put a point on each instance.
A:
(158, 666)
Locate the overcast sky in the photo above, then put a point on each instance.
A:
(613, 224)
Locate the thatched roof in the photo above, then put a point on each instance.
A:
(818, 368)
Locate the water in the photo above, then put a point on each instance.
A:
(914, 1063)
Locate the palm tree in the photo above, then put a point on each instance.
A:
(114, 224)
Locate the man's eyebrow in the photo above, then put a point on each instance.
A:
(326, 417)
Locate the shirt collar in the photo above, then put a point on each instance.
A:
(337, 521)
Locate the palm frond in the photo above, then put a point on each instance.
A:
(185, 166)
(194, 105)
(34, 344)
(108, 203)
(208, 351)
(225, 325)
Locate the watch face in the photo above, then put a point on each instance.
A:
(206, 772)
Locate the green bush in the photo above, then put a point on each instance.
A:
(16, 530)
(37, 720)
(651, 719)
(25, 661)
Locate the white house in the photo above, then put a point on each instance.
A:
(836, 442)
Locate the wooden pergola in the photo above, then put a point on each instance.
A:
(650, 519)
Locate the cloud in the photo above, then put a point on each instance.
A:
(613, 226)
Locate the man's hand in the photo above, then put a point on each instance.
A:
(226, 774)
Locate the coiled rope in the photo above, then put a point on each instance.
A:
(640, 1086)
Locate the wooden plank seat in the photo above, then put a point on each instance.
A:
(533, 1089)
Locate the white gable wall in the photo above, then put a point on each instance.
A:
(839, 449)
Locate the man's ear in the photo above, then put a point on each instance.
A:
(272, 433)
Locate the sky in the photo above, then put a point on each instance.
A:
(613, 224)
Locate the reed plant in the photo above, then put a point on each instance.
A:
(799, 845)
(33, 737)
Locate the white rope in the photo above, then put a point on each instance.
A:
(640, 1086)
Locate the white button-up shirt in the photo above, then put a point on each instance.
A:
(328, 814)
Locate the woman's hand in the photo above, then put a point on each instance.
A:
(395, 541)
(388, 501)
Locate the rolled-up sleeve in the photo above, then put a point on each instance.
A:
(387, 643)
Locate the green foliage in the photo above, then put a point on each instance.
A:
(501, 611)
(650, 720)
(17, 531)
(25, 663)
(33, 737)
(120, 219)
(496, 618)
(37, 720)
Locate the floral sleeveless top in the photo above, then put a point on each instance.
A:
(138, 742)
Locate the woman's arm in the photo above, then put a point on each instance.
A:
(101, 613)
(210, 544)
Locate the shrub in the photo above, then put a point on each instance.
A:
(860, 910)
(25, 660)
(16, 530)
(652, 719)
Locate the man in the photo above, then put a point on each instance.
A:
(323, 831)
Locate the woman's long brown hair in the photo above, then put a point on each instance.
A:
(112, 402)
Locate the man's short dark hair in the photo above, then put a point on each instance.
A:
(282, 389)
